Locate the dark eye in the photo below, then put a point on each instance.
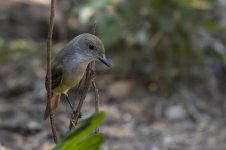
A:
(91, 46)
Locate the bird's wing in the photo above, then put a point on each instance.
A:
(57, 74)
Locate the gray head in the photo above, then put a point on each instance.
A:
(90, 47)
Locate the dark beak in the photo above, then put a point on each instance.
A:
(104, 60)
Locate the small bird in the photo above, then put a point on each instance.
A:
(69, 65)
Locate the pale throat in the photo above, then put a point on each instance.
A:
(76, 65)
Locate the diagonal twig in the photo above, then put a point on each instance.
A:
(96, 100)
(49, 71)
(82, 91)
(97, 96)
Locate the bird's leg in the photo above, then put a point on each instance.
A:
(72, 108)
(67, 98)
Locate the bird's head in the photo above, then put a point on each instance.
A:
(91, 47)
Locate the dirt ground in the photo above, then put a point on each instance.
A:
(189, 119)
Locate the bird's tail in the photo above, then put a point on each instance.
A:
(54, 103)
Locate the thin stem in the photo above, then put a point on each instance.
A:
(97, 96)
(94, 27)
(49, 73)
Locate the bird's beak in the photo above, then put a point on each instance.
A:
(104, 60)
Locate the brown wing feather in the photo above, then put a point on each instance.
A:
(57, 73)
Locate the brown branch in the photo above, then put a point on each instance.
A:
(97, 97)
(82, 91)
(94, 27)
(94, 84)
(49, 73)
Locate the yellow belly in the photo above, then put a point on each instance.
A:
(66, 84)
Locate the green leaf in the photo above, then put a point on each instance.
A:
(80, 139)
(91, 141)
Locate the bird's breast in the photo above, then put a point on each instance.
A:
(73, 72)
(67, 83)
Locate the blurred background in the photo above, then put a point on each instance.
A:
(165, 91)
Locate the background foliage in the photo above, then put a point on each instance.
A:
(161, 40)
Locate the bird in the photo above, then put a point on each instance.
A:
(69, 65)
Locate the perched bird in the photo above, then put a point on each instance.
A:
(69, 65)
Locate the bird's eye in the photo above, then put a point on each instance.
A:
(91, 46)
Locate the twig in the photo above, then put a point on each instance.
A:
(93, 82)
(83, 91)
(49, 71)
(96, 100)
(96, 96)
(94, 27)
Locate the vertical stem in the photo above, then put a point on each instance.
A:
(94, 27)
(93, 82)
(96, 96)
(95, 89)
(49, 73)
(96, 100)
